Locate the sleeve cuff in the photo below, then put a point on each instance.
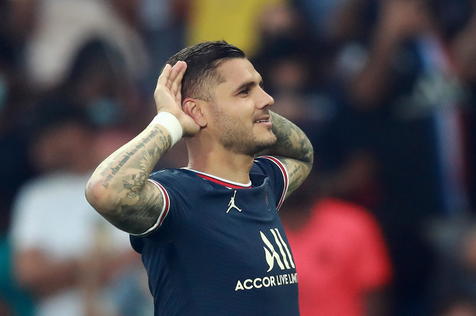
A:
(163, 212)
(284, 173)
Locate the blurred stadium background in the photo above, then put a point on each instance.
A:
(385, 89)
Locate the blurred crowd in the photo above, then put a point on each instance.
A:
(385, 90)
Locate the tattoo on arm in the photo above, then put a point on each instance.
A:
(293, 149)
(157, 135)
(297, 173)
(139, 216)
(131, 202)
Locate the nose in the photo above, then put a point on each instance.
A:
(266, 100)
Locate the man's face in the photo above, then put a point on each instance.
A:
(238, 112)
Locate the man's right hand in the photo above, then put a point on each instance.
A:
(168, 96)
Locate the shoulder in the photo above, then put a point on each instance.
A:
(174, 177)
(270, 166)
(179, 183)
(171, 183)
(270, 161)
(273, 169)
(168, 173)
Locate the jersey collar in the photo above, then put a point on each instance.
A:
(221, 181)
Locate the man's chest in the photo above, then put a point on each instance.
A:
(239, 237)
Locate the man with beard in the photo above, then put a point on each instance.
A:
(209, 234)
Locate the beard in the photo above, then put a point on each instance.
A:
(241, 140)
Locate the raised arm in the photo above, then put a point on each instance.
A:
(118, 189)
(293, 149)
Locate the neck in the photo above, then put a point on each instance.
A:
(216, 160)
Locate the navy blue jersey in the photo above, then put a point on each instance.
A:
(218, 247)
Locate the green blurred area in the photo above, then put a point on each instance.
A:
(16, 301)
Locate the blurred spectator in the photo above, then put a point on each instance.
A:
(289, 55)
(15, 100)
(18, 21)
(15, 23)
(462, 48)
(162, 24)
(63, 26)
(408, 81)
(66, 256)
(340, 256)
(402, 107)
(296, 71)
(98, 82)
(323, 15)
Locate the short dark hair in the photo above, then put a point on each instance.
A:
(202, 60)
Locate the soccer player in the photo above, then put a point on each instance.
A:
(209, 234)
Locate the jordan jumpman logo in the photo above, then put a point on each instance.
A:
(232, 204)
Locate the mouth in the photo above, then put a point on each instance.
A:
(265, 120)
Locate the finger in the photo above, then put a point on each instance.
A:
(177, 83)
(176, 70)
(173, 73)
(163, 78)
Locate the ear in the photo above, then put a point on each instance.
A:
(193, 108)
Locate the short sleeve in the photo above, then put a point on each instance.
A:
(164, 210)
(172, 206)
(278, 176)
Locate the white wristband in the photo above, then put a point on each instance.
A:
(171, 124)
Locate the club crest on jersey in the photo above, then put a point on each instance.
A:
(232, 205)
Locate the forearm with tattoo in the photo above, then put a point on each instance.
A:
(119, 189)
(293, 149)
